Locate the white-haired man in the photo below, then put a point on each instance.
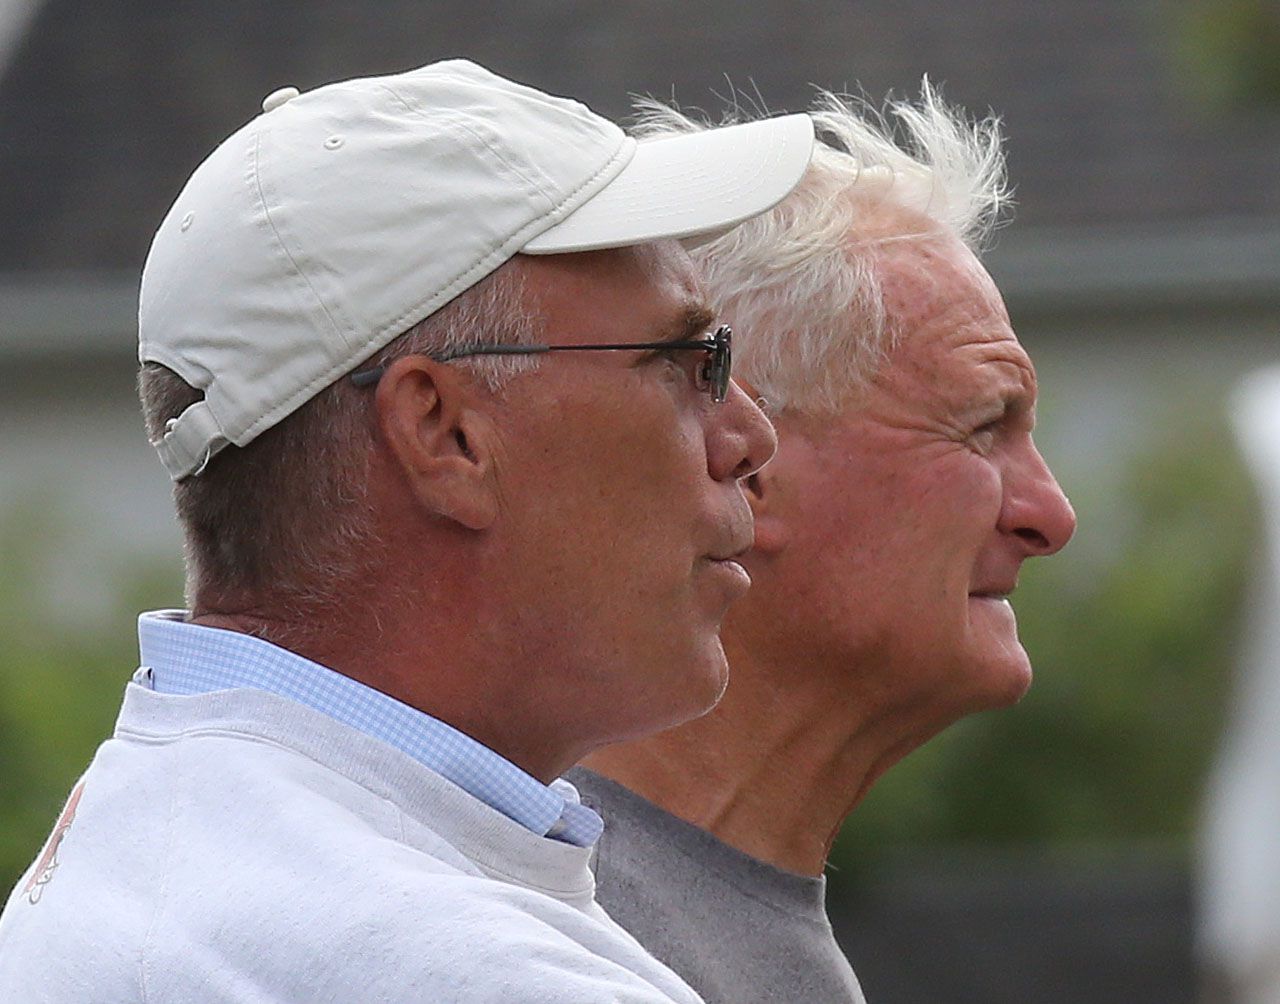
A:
(458, 465)
(890, 528)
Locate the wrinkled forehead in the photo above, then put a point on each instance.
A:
(923, 277)
(946, 316)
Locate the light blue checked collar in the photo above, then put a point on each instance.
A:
(182, 658)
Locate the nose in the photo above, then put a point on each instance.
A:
(740, 439)
(1035, 510)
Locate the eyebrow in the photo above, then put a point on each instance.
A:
(1017, 403)
(689, 324)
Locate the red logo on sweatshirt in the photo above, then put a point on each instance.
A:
(48, 862)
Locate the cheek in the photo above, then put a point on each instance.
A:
(906, 548)
(911, 520)
(629, 506)
(960, 505)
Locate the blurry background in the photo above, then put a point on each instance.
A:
(1041, 854)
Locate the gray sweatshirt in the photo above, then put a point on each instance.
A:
(737, 929)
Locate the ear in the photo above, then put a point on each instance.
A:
(761, 490)
(440, 441)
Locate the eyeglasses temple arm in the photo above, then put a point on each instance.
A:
(367, 378)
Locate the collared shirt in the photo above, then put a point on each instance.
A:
(182, 658)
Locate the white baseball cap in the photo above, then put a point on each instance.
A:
(338, 218)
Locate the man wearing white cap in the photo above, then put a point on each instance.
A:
(457, 459)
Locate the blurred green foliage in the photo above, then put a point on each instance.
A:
(60, 682)
(1229, 52)
(1133, 653)
(1132, 645)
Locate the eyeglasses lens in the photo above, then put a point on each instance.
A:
(720, 363)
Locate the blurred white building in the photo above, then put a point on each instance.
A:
(1240, 937)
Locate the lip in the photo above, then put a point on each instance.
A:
(733, 552)
(995, 588)
(733, 560)
(733, 571)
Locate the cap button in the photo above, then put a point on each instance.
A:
(279, 97)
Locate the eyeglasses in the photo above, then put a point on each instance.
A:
(713, 376)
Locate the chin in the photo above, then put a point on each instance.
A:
(988, 681)
(703, 681)
(712, 675)
(1016, 688)
(1005, 681)
(998, 662)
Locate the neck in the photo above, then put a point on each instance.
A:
(779, 766)
(426, 639)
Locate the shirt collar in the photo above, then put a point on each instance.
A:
(183, 658)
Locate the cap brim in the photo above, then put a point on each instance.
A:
(689, 185)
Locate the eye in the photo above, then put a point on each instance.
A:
(983, 438)
(703, 364)
(691, 365)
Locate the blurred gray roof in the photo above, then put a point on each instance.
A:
(106, 107)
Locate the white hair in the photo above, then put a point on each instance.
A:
(800, 283)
